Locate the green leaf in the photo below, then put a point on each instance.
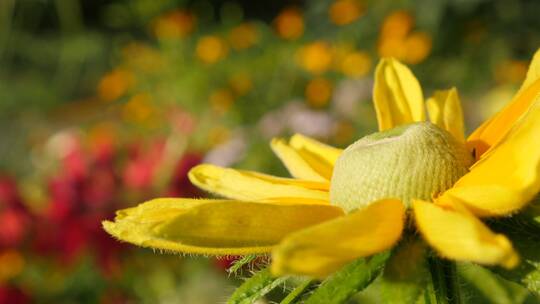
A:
(404, 278)
(484, 286)
(298, 291)
(255, 287)
(353, 278)
(524, 233)
(405, 275)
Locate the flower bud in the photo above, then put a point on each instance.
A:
(413, 161)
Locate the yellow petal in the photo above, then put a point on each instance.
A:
(506, 178)
(319, 150)
(253, 186)
(461, 236)
(444, 110)
(494, 130)
(217, 227)
(397, 95)
(533, 73)
(301, 165)
(322, 249)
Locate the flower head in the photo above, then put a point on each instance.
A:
(344, 204)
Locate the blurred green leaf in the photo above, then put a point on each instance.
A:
(255, 287)
(484, 286)
(297, 292)
(405, 274)
(353, 278)
(524, 232)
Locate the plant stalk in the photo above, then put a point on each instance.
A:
(445, 281)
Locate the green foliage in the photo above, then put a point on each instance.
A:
(255, 287)
(483, 286)
(405, 274)
(353, 278)
(524, 232)
(297, 292)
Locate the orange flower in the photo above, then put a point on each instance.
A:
(318, 92)
(243, 36)
(115, 84)
(511, 71)
(174, 25)
(344, 12)
(11, 264)
(397, 40)
(289, 24)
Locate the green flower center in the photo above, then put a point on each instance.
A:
(413, 161)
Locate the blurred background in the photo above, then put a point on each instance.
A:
(104, 104)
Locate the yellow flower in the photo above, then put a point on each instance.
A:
(211, 49)
(221, 100)
(240, 83)
(138, 109)
(315, 57)
(356, 64)
(142, 57)
(316, 222)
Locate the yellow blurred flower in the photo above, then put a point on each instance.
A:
(221, 100)
(138, 109)
(139, 56)
(396, 39)
(356, 64)
(240, 83)
(397, 25)
(289, 24)
(417, 47)
(115, 84)
(11, 264)
(315, 57)
(318, 92)
(218, 135)
(511, 71)
(210, 49)
(344, 12)
(174, 25)
(243, 36)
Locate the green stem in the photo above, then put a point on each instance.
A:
(445, 281)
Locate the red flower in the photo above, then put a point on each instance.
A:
(180, 185)
(13, 295)
(14, 216)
